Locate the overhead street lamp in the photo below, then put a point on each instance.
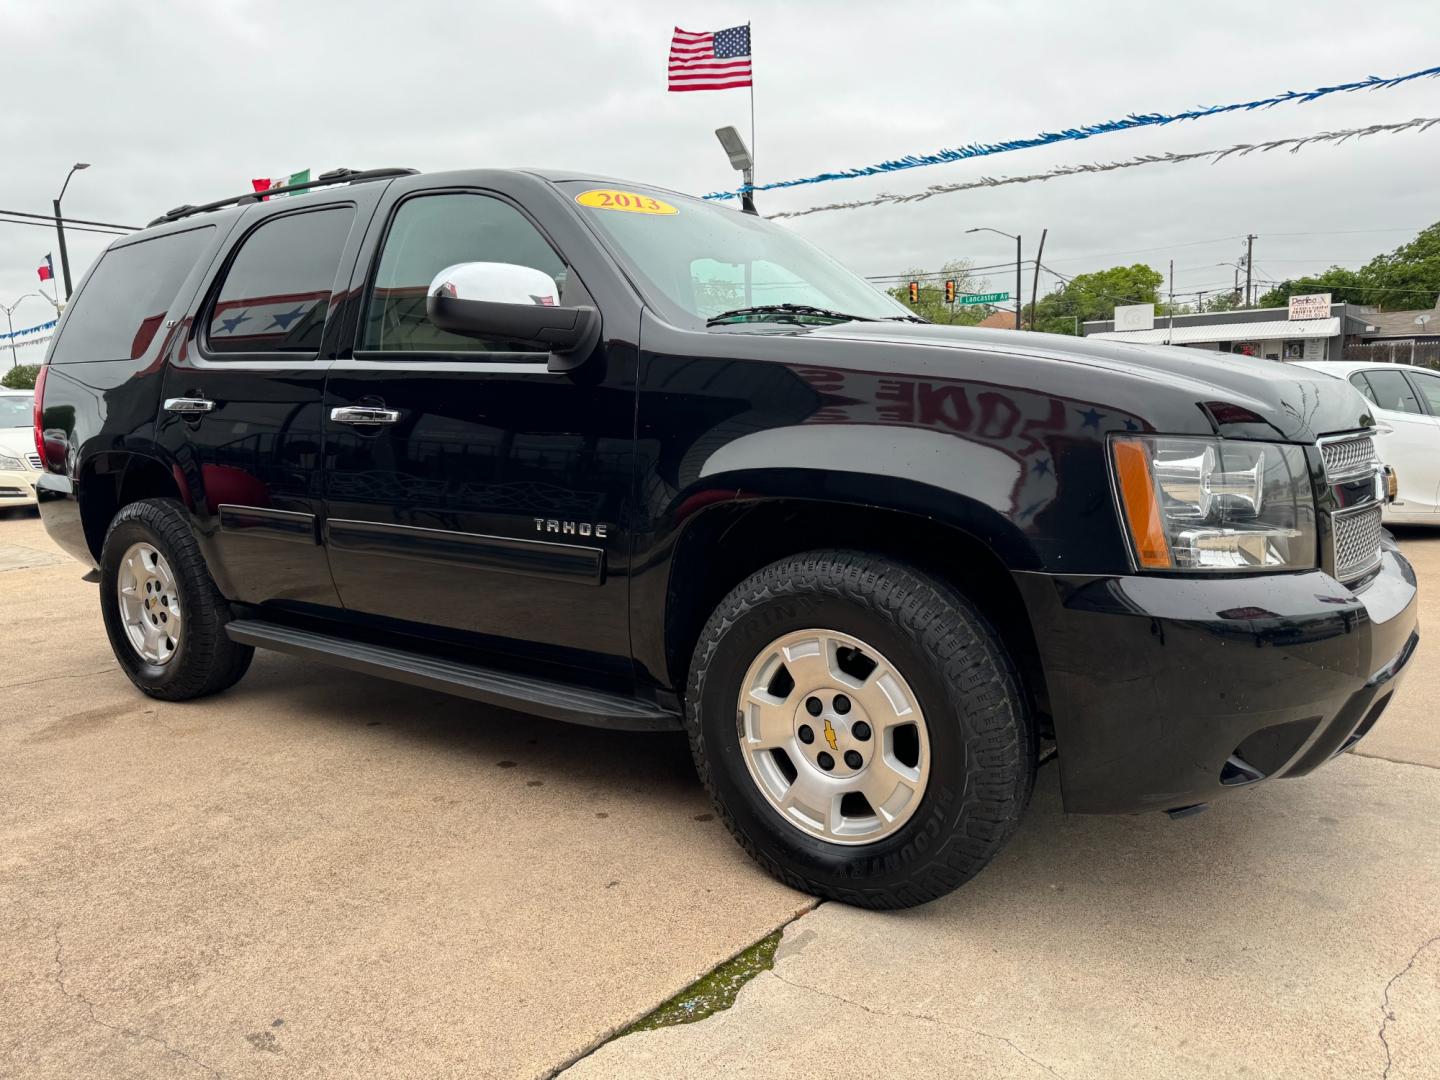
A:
(1018, 305)
(740, 160)
(60, 225)
(10, 323)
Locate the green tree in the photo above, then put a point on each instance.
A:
(1344, 287)
(1406, 279)
(20, 377)
(1409, 277)
(932, 303)
(1087, 297)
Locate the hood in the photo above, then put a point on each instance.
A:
(1234, 396)
(17, 442)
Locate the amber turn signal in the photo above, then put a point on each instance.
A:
(1141, 504)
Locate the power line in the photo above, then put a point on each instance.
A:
(69, 220)
(73, 228)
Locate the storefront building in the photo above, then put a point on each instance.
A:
(1312, 329)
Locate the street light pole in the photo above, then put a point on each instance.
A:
(60, 225)
(1019, 307)
(10, 323)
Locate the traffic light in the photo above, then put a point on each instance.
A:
(914, 292)
(949, 292)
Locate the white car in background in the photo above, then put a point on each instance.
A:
(1407, 408)
(19, 463)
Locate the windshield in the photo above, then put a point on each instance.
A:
(696, 260)
(16, 410)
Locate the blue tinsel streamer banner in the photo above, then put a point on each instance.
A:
(28, 330)
(1134, 120)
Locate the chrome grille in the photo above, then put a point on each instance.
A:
(34, 460)
(1356, 536)
(1349, 457)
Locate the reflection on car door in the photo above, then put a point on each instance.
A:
(1410, 441)
(492, 499)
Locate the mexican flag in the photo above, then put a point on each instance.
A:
(266, 183)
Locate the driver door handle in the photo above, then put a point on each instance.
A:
(364, 415)
(188, 405)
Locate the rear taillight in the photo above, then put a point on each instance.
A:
(39, 416)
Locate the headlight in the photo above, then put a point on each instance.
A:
(13, 464)
(1215, 504)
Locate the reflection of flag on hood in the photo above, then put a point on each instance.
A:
(46, 270)
(266, 183)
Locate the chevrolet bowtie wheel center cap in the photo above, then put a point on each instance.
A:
(833, 736)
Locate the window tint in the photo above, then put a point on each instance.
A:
(430, 233)
(1358, 381)
(277, 291)
(1392, 391)
(127, 297)
(1429, 386)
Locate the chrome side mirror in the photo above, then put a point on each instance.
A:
(512, 303)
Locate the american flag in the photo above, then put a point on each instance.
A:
(711, 61)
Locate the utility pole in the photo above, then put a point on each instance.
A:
(9, 322)
(1170, 326)
(1249, 267)
(1200, 301)
(60, 225)
(1019, 303)
(1035, 281)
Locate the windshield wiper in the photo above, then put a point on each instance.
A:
(786, 309)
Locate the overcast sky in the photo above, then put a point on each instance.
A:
(177, 103)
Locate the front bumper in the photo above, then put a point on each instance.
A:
(17, 488)
(1167, 692)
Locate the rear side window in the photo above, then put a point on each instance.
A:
(277, 290)
(126, 299)
(1429, 389)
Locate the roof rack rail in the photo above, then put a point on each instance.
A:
(334, 176)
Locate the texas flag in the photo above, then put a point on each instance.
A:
(46, 270)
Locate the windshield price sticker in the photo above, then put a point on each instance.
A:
(628, 201)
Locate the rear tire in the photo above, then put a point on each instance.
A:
(969, 775)
(153, 579)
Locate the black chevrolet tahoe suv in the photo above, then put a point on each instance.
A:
(617, 456)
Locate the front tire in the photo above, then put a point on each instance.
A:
(860, 728)
(163, 614)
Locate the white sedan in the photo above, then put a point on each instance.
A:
(19, 463)
(1406, 403)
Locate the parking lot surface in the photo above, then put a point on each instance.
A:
(319, 874)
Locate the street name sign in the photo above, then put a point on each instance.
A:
(985, 298)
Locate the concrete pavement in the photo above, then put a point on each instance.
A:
(319, 874)
(1281, 934)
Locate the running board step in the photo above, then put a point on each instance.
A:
(524, 693)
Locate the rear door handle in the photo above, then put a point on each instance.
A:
(364, 415)
(188, 405)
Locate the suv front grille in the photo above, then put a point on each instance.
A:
(34, 460)
(1345, 459)
(1356, 536)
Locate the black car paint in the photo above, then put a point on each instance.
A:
(438, 531)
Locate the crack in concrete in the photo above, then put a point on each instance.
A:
(59, 981)
(1392, 761)
(52, 678)
(1385, 1014)
(919, 1016)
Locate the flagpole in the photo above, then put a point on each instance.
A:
(752, 95)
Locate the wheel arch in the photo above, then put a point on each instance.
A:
(110, 480)
(728, 540)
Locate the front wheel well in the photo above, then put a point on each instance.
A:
(729, 543)
(112, 481)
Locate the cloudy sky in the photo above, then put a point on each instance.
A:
(184, 102)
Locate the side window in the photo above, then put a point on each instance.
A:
(127, 297)
(277, 290)
(1429, 387)
(429, 233)
(1392, 391)
(1357, 380)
